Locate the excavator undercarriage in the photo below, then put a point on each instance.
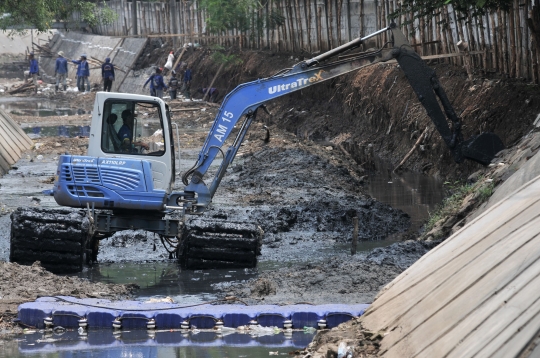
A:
(64, 240)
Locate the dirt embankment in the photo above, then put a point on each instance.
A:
(374, 112)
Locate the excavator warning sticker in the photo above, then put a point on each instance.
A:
(300, 82)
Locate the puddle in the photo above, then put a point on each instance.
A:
(142, 343)
(416, 194)
(39, 107)
(162, 279)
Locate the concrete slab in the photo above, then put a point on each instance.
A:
(123, 52)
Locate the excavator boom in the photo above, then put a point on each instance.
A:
(247, 98)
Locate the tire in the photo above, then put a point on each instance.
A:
(210, 244)
(58, 238)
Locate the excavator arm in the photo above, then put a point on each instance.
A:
(246, 99)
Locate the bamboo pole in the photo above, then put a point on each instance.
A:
(519, 40)
(449, 34)
(438, 46)
(533, 23)
(480, 25)
(362, 15)
(309, 20)
(495, 41)
(330, 22)
(471, 39)
(300, 27)
(461, 35)
(502, 43)
(291, 25)
(512, 30)
(319, 30)
(444, 33)
(338, 18)
(377, 22)
(285, 38)
(527, 40)
(422, 48)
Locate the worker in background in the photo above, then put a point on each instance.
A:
(212, 93)
(60, 71)
(34, 70)
(156, 84)
(186, 85)
(151, 81)
(83, 72)
(107, 72)
(173, 85)
(170, 62)
(125, 133)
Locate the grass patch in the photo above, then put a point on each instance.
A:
(457, 192)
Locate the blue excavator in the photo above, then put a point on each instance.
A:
(123, 183)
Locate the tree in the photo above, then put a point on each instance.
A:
(19, 15)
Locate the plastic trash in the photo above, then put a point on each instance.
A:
(309, 329)
(342, 350)
(47, 192)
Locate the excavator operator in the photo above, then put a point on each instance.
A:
(125, 133)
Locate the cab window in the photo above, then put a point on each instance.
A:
(131, 127)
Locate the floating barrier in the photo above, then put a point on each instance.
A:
(88, 314)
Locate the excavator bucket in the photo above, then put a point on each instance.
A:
(482, 148)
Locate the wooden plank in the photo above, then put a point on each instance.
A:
(185, 109)
(401, 295)
(18, 140)
(469, 285)
(4, 164)
(472, 294)
(438, 258)
(10, 149)
(28, 141)
(523, 333)
(447, 341)
(518, 316)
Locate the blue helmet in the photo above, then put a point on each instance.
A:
(107, 59)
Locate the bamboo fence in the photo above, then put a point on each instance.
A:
(503, 41)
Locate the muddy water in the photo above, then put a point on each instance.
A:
(160, 277)
(38, 107)
(139, 343)
(416, 194)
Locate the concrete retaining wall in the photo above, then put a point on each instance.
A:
(123, 53)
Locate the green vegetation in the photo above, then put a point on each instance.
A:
(242, 15)
(451, 205)
(225, 59)
(228, 14)
(19, 15)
